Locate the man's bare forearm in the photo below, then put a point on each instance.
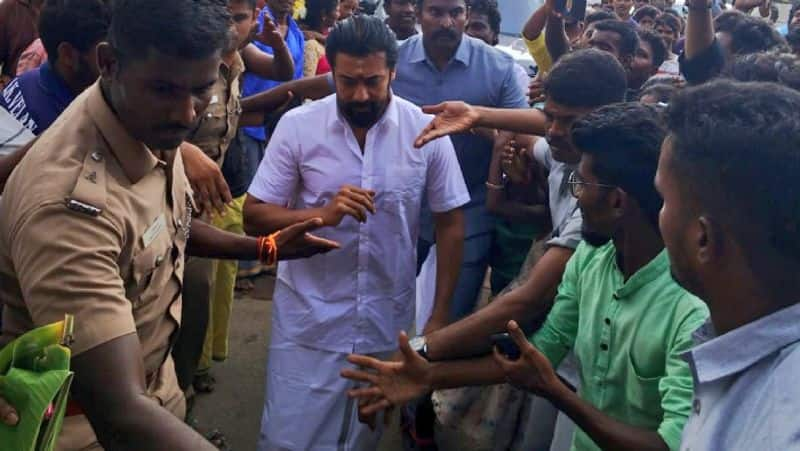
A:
(263, 218)
(606, 432)
(470, 336)
(465, 373)
(304, 88)
(555, 37)
(699, 29)
(449, 255)
(210, 242)
(527, 121)
(536, 23)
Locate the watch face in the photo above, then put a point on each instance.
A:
(417, 343)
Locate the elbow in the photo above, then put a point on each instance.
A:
(284, 75)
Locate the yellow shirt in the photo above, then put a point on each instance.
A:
(538, 50)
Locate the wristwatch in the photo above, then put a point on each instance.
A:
(419, 345)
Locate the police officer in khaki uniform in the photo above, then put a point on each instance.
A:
(95, 221)
(212, 135)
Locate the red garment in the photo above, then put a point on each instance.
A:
(17, 31)
(323, 67)
(34, 56)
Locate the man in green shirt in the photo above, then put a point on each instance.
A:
(617, 307)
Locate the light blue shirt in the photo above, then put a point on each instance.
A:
(359, 297)
(479, 75)
(746, 390)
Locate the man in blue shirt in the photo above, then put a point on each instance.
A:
(443, 64)
(70, 36)
(741, 260)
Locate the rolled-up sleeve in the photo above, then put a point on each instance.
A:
(557, 335)
(446, 189)
(67, 263)
(278, 174)
(676, 387)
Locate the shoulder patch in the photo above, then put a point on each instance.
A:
(89, 195)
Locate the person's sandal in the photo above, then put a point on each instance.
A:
(204, 383)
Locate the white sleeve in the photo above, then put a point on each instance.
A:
(278, 173)
(541, 153)
(446, 189)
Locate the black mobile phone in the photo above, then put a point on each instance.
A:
(506, 345)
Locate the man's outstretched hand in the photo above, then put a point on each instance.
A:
(532, 371)
(392, 383)
(295, 241)
(451, 117)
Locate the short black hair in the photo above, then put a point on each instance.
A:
(728, 20)
(187, 29)
(360, 36)
(490, 9)
(754, 35)
(663, 92)
(421, 3)
(656, 44)
(777, 67)
(599, 15)
(586, 78)
(315, 10)
(251, 3)
(670, 21)
(629, 41)
(737, 148)
(80, 23)
(625, 141)
(646, 11)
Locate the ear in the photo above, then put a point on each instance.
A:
(707, 238)
(107, 60)
(620, 202)
(67, 55)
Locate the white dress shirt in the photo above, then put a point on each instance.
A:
(357, 298)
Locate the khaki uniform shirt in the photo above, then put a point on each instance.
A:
(218, 124)
(93, 223)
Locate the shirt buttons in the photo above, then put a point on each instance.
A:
(97, 156)
(159, 260)
(696, 406)
(607, 321)
(603, 347)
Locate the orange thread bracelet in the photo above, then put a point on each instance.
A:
(268, 249)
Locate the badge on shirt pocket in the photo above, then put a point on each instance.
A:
(154, 230)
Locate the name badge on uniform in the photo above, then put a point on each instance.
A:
(156, 228)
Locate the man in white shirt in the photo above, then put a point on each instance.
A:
(350, 159)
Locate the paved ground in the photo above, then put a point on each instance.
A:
(235, 406)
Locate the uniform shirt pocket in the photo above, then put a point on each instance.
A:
(151, 270)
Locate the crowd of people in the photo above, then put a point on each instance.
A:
(627, 196)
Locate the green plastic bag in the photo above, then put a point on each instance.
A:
(35, 379)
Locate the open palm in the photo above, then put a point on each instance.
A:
(391, 383)
(451, 117)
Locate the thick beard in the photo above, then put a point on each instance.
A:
(593, 238)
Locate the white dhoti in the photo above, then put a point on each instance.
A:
(306, 405)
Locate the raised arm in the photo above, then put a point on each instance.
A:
(280, 65)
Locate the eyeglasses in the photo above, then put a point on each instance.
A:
(576, 184)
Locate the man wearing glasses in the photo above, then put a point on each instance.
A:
(617, 308)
